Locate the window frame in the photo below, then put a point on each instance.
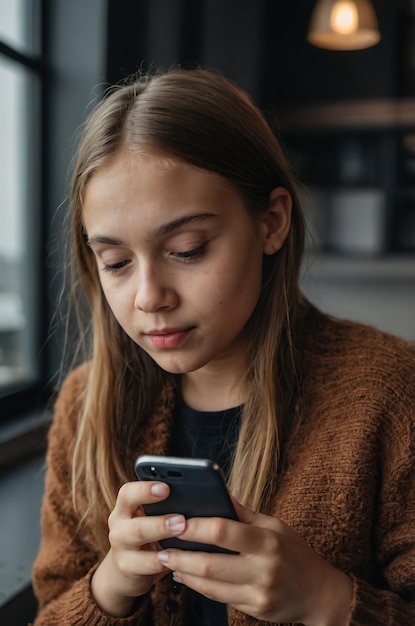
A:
(19, 398)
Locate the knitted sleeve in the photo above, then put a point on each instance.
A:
(394, 543)
(65, 563)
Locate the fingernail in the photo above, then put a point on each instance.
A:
(163, 557)
(176, 523)
(176, 577)
(159, 490)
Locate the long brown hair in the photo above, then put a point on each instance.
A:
(205, 120)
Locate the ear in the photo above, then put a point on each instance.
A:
(277, 220)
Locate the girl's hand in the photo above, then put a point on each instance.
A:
(276, 576)
(131, 566)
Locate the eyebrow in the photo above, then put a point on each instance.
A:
(159, 231)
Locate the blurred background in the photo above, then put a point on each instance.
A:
(346, 119)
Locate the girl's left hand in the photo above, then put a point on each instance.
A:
(276, 576)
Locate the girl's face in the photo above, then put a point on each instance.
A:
(179, 259)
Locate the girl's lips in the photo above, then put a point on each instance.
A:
(169, 339)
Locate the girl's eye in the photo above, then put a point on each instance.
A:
(115, 267)
(190, 255)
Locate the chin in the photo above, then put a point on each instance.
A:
(177, 366)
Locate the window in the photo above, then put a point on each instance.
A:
(21, 80)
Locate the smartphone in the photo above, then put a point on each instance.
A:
(197, 489)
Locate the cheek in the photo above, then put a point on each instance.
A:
(118, 303)
(246, 276)
(229, 286)
(212, 287)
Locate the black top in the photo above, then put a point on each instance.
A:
(208, 435)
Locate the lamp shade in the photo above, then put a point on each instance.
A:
(343, 25)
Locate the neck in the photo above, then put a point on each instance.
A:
(212, 391)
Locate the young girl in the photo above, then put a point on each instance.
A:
(187, 243)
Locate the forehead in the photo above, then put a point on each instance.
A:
(150, 170)
(151, 187)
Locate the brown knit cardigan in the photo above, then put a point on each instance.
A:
(348, 486)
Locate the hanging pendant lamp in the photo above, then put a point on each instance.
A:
(343, 25)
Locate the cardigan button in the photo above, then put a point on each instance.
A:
(172, 606)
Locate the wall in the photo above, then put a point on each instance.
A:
(262, 45)
(77, 51)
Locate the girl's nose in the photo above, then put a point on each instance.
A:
(154, 291)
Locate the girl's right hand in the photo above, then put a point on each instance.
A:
(131, 565)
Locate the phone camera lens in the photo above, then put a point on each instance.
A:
(151, 471)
